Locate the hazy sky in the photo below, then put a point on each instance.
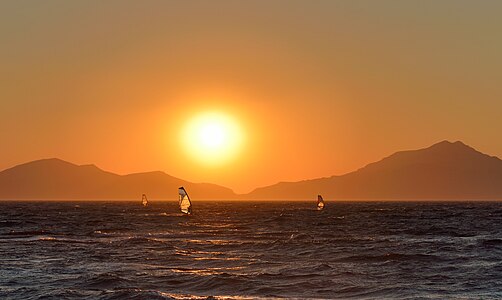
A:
(319, 87)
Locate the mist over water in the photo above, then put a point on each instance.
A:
(121, 250)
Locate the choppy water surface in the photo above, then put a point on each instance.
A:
(120, 250)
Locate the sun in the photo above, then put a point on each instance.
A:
(212, 138)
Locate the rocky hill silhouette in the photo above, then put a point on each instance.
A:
(55, 179)
(443, 171)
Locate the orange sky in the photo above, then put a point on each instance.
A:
(319, 87)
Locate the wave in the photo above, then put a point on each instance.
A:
(113, 230)
(391, 257)
(40, 237)
(140, 294)
(140, 241)
(134, 294)
(27, 233)
(104, 281)
(10, 223)
(490, 243)
(301, 237)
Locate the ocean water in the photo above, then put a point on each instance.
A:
(228, 250)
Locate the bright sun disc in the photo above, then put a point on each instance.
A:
(212, 138)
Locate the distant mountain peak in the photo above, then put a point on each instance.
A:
(447, 143)
(49, 160)
(453, 146)
(444, 171)
(441, 152)
(44, 163)
(54, 178)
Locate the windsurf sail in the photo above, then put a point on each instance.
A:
(320, 202)
(144, 200)
(184, 201)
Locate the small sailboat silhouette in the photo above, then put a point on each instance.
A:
(320, 202)
(144, 200)
(184, 201)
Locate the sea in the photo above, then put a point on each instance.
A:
(251, 250)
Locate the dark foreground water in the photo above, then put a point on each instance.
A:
(120, 250)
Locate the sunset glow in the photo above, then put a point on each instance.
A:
(212, 138)
(189, 149)
(246, 94)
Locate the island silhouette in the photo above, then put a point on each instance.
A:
(443, 171)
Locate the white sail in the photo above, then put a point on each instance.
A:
(144, 200)
(320, 202)
(184, 201)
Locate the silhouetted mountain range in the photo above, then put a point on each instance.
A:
(444, 171)
(56, 179)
